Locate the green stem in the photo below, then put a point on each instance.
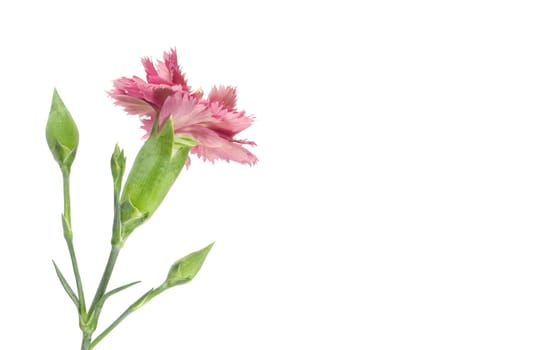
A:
(82, 303)
(69, 239)
(116, 246)
(86, 339)
(66, 196)
(110, 328)
(135, 306)
(106, 276)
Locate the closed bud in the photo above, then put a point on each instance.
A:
(62, 134)
(118, 163)
(185, 269)
(182, 271)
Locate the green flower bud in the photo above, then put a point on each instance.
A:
(182, 271)
(185, 269)
(62, 134)
(154, 171)
(118, 163)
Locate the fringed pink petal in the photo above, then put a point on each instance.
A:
(229, 152)
(152, 76)
(205, 136)
(171, 64)
(185, 109)
(133, 105)
(245, 142)
(139, 89)
(225, 95)
(167, 71)
(147, 125)
(230, 122)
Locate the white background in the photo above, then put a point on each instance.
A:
(402, 200)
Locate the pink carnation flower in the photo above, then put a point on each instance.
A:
(145, 98)
(213, 122)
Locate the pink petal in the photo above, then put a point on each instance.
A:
(230, 122)
(225, 95)
(205, 136)
(171, 63)
(136, 88)
(185, 109)
(133, 105)
(229, 152)
(167, 72)
(151, 73)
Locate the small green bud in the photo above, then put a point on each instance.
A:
(118, 163)
(154, 171)
(182, 271)
(62, 134)
(185, 269)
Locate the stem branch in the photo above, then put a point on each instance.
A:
(135, 306)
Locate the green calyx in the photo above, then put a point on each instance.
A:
(154, 171)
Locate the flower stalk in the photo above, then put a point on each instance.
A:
(68, 234)
(108, 271)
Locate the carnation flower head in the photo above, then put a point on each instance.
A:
(145, 98)
(213, 121)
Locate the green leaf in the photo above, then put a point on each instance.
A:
(185, 269)
(119, 289)
(66, 286)
(155, 169)
(62, 134)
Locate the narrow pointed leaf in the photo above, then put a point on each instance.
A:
(95, 313)
(119, 289)
(113, 292)
(66, 286)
